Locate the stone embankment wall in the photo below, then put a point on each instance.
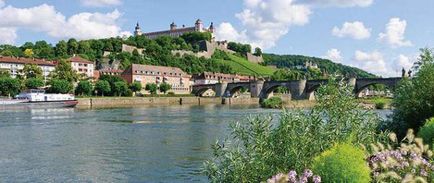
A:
(113, 102)
(110, 102)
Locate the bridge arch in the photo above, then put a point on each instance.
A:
(362, 84)
(271, 87)
(232, 88)
(199, 90)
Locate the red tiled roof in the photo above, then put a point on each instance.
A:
(80, 60)
(111, 70)
(25, 61)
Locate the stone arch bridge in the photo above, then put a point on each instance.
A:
(298, 89)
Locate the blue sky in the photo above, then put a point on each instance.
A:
(380, 36)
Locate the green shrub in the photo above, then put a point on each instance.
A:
(380, 104)
(260, 147)
(342, 163)
(273, 102)
(171, 93)
(427, 132)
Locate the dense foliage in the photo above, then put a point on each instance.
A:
(414, 99)
(135, 87)
(164, 87)
(327, 67)
(292, 177)
(240, 48)
(102, 87)
(273, 103)
(426, 132)
(84, 88)
(60, 86)
(34, 83)
(259, 149)
(9, 86)
(342, 163)
(152, 88)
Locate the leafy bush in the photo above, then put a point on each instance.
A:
(121, 89)
(258, 150)
(407, 161)
(380, 104)
(411, 106)
(164, 87)
(273, 102)
(427, 132)
(342, 163)
(171, 93)
(291, 177)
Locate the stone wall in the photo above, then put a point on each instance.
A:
(130, 49)
(254, 58)
(113, 102)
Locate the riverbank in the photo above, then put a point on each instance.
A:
(114, 102)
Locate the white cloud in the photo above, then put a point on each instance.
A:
(100, 3)
(341, 3)
(372, 62)
(355, 30)
(2, 3)
(265, 21)
(334, 55)
(8, 35)
(45, 18)
(404, 62)
(394, 34)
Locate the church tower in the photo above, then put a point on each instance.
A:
(137, 30)
(198, 25)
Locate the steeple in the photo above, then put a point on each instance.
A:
(173, 26)
(137, 30)
(199, 25)
(211, 27)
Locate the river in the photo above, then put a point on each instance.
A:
(153, 144)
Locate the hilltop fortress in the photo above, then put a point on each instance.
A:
(174, 31)
(206, 48)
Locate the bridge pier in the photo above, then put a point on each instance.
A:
(256, 88)
(220, 89)
(297, 89)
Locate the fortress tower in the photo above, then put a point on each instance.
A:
(137, 30)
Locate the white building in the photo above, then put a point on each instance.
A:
(15, 65)
(82, 66)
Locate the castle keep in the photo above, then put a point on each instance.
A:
(174, 31)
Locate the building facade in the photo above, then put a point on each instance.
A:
(82, 66)
(213, 78)
(14, 65)
(175, 31)
(178, 79)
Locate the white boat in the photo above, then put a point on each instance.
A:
(39, 99)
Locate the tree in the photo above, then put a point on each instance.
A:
(72, 46)
(61, 49)
(102, 87)
(111, 80)
(64, 71)
(28, 53)
(43, 50)
(135, 87)
(31, 71)
(152, 88)
(164, 87)
(9, 86)
(84, 88)
(34, 83)
(413, 99)
(258, 52)
(120, 88)
(60, 86)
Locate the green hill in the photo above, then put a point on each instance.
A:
(242, 66)
(327, 67)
